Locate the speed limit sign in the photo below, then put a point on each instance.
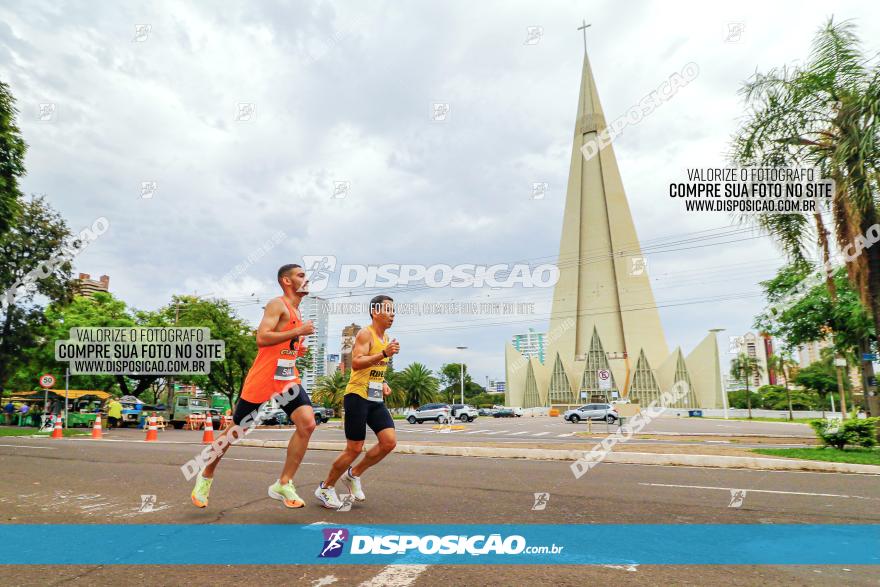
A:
(604, 377)
(47, 381)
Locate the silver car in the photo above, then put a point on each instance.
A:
(592, 412)
(439, 413)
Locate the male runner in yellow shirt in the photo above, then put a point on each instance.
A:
(364, 405)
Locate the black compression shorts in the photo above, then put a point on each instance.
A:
(360, 413)
(244, 407)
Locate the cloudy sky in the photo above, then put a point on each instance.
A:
(116, 96)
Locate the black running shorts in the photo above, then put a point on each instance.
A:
(360, 413)
(244, 407)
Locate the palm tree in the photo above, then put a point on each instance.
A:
(418, 385)
(782, 363)
(743, 368)
(823, 114)
(330, 389)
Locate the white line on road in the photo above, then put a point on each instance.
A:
(263, 461)
(396, 576)
(518, 433)
(26, 446)
(478, 431)
(541, 434)
(565, 435)
(761, 491)
(497, 432)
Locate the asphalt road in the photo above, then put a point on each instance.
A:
(82, 481)
(539, 430)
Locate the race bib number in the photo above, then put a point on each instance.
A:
(375, 391)
(284, 370)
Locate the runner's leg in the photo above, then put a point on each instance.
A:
(353, 448)
(304, 419)
(387, 442)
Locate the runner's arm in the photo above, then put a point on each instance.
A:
(266, 334)
(359, 357)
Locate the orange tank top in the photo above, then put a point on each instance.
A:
(274, 369)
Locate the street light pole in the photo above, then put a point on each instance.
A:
(462, 348)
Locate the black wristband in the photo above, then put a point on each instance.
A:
(383, 354)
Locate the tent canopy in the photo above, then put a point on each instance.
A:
(71, 394)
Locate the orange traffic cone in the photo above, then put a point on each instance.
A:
(96, 429)
(152, 431)
(208, 435)
(58, 432)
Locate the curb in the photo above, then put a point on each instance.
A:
(624, 458)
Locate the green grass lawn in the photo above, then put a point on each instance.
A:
(859, 456)
(16, 431)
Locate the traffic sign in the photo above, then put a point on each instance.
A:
(869, 356)
(46, 381)
(604, 377)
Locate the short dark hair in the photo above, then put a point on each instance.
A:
(378, 301)
(284, 269)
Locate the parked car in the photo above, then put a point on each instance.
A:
(436, 412)
(216, 418)
(504, 413)
(464, 412)
(270, 416)
(486, 411)
(518, 412)
(592, 412)
(322, 414)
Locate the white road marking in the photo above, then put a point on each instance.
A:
(541, 434)
(26, 446)
(478, 431)
(630, 568)
(263, 461)
(518, 433)
(497, 432)
(762, 491)
(565, 435)
(396, 576)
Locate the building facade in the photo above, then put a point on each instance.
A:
(86, 286)
(530, 344)
(604, 324)
(315, 309)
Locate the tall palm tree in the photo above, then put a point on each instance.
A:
(823, 114)
(330, 389)
(418, 385)
(782, 363)
(742, 368)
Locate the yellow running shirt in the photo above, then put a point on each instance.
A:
(369, 383)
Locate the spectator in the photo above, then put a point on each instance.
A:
(8, 410)
(114, 413)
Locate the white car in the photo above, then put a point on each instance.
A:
(592, 412)
(439, 413)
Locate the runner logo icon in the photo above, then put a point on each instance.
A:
(334, 541)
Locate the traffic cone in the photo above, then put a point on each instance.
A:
(208, 435)
(152, 431)
(96, 429)
(58, 432)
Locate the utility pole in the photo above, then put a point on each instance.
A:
(461, 348)
(840, 362)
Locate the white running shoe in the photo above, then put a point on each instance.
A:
(354, 485)
(328, 497)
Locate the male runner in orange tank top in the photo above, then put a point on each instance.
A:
(280, 338)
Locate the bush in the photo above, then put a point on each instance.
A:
(853, 432)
